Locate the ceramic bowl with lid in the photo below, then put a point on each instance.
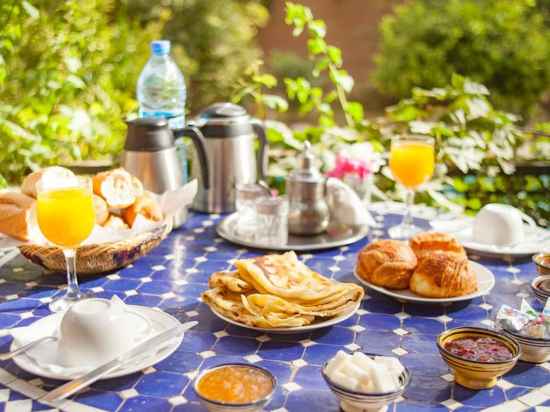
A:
(533, 350)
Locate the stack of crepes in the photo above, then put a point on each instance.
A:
(278, 291)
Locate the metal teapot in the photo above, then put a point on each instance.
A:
(227, 137)
(308, 212)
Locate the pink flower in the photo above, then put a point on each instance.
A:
(346, 166)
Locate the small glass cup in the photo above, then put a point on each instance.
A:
(272, 218)
(247, 196)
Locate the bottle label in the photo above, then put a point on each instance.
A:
(176, 120)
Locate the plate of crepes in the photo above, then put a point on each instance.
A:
(129, 220)
(280, 294)
(431, 268)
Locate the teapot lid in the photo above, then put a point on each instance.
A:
(148, 135)
(306, 169)
(222, 120)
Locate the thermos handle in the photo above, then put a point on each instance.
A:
(262, 152)
(200, 145)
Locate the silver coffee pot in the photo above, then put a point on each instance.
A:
(228, 135)
(150, 154)
(308, 212)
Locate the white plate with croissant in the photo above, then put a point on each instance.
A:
(431, 268)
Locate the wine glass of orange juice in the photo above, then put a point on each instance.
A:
(66, 218)
(412, 162)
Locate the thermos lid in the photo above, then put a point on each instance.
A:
(148, 135)
(222, 120)
(306, 170)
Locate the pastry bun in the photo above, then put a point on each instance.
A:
(117, 187)
(15, 211)
(443, 275)
(387, 263)
(145, 205)
(424, 244)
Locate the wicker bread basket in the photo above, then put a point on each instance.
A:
(100, 258)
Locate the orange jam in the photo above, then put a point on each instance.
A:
(235, 384)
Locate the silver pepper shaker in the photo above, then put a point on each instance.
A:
(308, 212)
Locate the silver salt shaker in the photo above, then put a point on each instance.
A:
(308, 212)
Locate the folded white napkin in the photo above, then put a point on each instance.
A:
(345, 205)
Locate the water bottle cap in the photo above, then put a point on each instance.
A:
(160, 47)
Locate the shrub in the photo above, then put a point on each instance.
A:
(67, 78)
(504, 44)
(214, 41)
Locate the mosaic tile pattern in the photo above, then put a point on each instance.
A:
(173, 276)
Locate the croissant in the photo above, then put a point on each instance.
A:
(387, 263)
(424, 244)
(443, 275)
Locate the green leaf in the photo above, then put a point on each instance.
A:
(316, 46)
(318, 28)
(275, 102)
(335, 55)
(355, 110)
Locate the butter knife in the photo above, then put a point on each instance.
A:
(77, 384)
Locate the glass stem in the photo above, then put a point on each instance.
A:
(408, 217)
(73, 291)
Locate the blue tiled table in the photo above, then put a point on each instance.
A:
(173, 276)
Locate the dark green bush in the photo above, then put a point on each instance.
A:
(504, 44)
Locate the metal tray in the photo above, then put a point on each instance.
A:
(335, 236)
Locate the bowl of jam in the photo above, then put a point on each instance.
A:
(542, 261)
(477, 356)
(235, 387)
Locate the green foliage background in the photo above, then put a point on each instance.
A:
(504, 44)
(68, 69)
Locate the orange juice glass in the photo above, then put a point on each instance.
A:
(66, 218)
(412, 162)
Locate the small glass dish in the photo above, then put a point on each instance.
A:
(353, 401)
(542, 261)
(217, 406)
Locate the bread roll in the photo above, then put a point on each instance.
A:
(101, 210)
(15, 211)
(117, 187)
(29, 185)
(387, 263)
(145, 205)
(115, 222)
(443, 275)
(424, 244)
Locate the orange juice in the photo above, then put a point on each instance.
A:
(66, 216)
(412, 163)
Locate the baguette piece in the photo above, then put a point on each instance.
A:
(115, 222)
(54, 173)
(15, 211)
(117, 187)
(145, 205)
(101, 210)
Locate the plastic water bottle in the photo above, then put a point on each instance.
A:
(161, 88)
(161, 93)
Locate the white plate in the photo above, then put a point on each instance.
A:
(296, 329)
(46, 326)
(485, 282)
(536, 239)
